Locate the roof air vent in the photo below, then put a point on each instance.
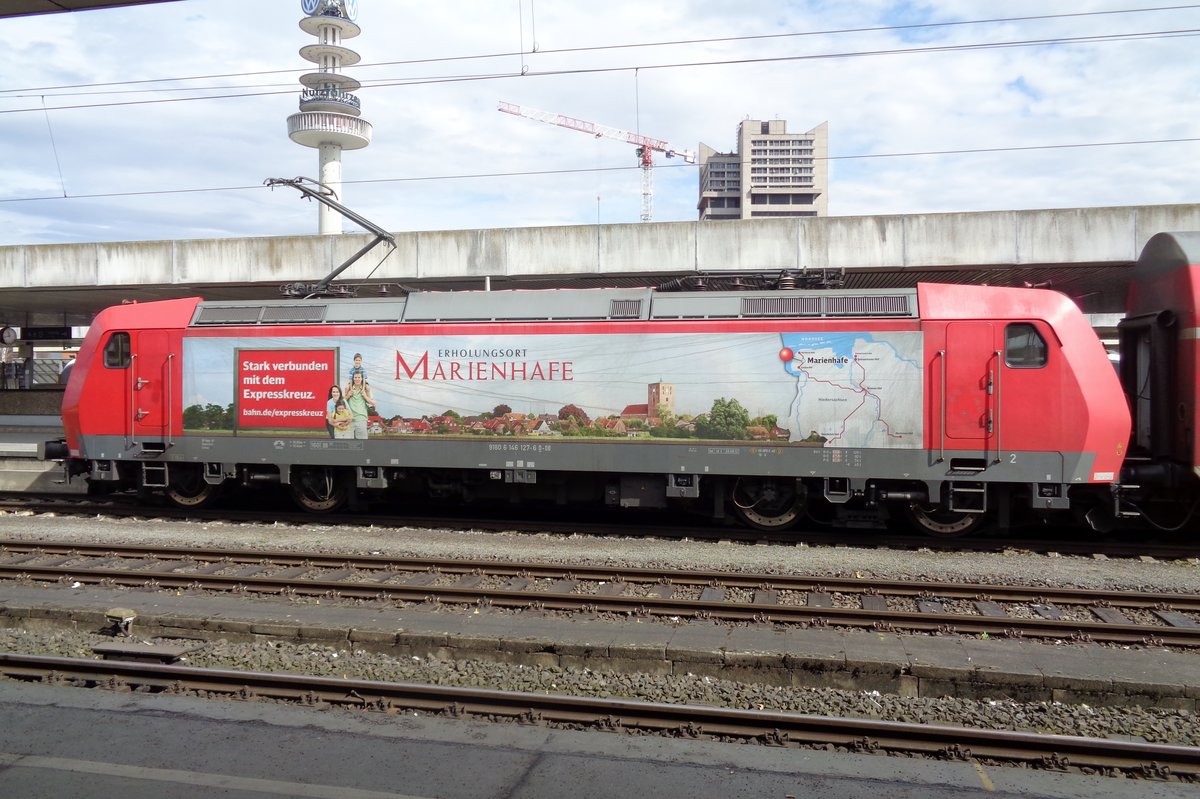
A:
(625, 309)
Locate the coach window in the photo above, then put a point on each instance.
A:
(116, 351)
(1024, 347)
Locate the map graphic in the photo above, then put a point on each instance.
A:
(855, 389)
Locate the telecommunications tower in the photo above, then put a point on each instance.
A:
(329, 113)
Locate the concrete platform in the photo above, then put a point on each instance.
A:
(21, 474)
(22, 441)
(61, 741)
(19, 449)
(20, 469)
(906, 665)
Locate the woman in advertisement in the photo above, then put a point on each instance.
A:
(335, 397)
(358, 397)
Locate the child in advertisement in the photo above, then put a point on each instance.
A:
(357, 368)
(342, 420)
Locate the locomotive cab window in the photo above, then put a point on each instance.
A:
(1024, 347)
(116, 351)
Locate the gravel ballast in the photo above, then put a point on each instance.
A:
(1176, 727)
(1013, 567)
(1153, 725)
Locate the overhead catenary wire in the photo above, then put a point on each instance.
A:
(1107, 38)
(599, 48)
(537, 172)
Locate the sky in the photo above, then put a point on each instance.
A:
(162, 121)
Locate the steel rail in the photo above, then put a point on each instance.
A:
(634, 575)
(1064, 542)
(775, 728)
(522, 598)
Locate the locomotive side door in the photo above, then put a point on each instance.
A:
(970, 378)
(150, 389)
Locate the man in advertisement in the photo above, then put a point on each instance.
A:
(358, 397)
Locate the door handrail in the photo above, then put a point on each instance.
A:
(133, 389)
(996, 403)
(941, 354)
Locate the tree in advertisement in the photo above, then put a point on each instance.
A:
(727, 420)
(575, 413)
(666, 427)
(208, 417)
(767, 420)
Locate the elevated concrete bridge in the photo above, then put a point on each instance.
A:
(1084, 252)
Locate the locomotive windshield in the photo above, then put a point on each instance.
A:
(1024, 347)
(116, 351)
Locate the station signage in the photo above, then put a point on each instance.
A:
(46, 334)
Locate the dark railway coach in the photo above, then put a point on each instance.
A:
(947, 405)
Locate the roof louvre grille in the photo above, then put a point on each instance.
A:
(781, 306)
(286, 314)
(235, 315)
(385, 310)
(866, 305)
(625, 309)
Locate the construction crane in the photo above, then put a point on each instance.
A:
(645, 144)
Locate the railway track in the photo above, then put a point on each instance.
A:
(1107, 616)
(1068, 541)
(614, 715)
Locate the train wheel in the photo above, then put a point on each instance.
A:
(767, 503)
(318, 490)
(942, 523)
(188, 489)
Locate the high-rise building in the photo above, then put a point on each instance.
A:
(772, 173)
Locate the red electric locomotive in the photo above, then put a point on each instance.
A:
(1160, 372)
(949, 406)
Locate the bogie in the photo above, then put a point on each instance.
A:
(187, 488)
(941, 522)
(319, 489)
(768, 503)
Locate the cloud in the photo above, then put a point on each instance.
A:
(203, 161)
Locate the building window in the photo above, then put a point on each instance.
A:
(782, 199)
